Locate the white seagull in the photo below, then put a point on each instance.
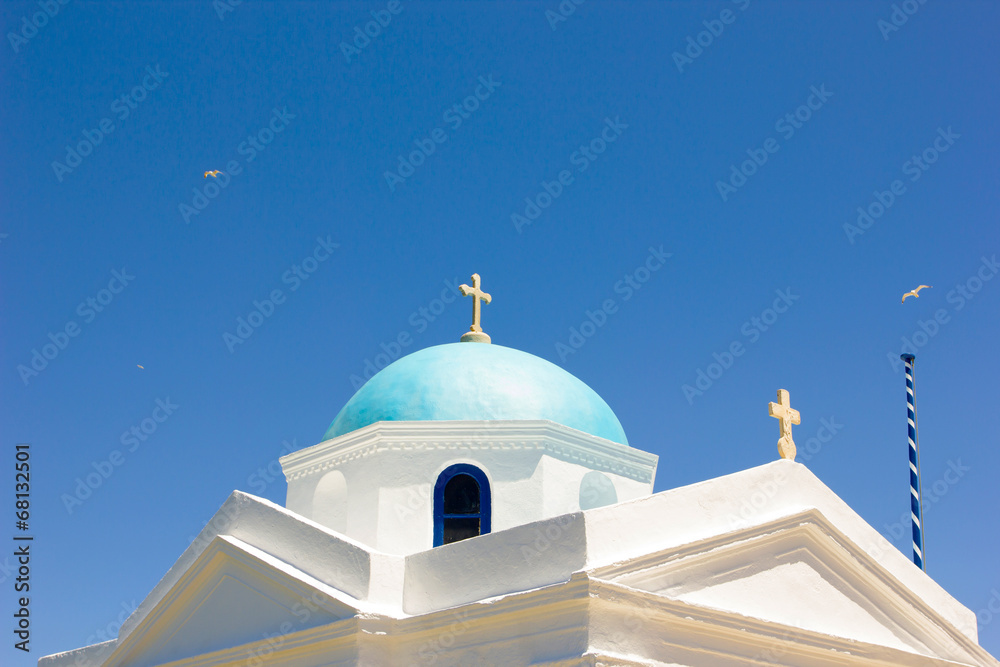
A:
(914, 292)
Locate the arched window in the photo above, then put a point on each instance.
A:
(461, 504)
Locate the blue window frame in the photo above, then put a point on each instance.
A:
(461, 504)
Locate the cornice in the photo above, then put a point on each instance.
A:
(720, 635)
(717, 637)
(548, 437)
(811, 530)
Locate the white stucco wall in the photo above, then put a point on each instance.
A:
(376, 484)
(683, 577)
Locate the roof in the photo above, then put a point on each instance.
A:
(477, 381)
(696, 574)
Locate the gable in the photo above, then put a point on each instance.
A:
(793, 587)
(233, 594)
(802, 573)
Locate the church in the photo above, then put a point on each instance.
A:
(473, 504)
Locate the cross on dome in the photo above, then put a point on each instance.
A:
(475, 334)
(782, 410)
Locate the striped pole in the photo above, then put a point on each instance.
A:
(915, 506)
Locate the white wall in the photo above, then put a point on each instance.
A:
(376, 484)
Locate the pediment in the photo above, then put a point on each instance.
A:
(233, 594)
(802, 573)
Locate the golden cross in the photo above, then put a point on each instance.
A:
(477, 296)
(782, 410)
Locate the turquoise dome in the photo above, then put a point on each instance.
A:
(477, 381)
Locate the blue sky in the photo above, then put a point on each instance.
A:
(746, 157)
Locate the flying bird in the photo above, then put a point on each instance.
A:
(914, 292)
(213, 174)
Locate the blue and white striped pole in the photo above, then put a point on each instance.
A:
(915, 507)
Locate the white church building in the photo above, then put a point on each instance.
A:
(473, 504)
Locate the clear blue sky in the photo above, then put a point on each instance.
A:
(172, 90)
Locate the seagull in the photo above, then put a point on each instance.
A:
(914, 292)
(213, 174)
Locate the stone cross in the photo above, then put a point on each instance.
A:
(478, 296)
(782, 410)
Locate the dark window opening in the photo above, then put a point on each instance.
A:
(461, 495)
(456, 529)
(461, 504)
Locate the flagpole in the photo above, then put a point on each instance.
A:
(916, 506)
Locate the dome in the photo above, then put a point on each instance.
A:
(472, 381)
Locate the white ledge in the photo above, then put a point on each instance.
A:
(554, 439)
